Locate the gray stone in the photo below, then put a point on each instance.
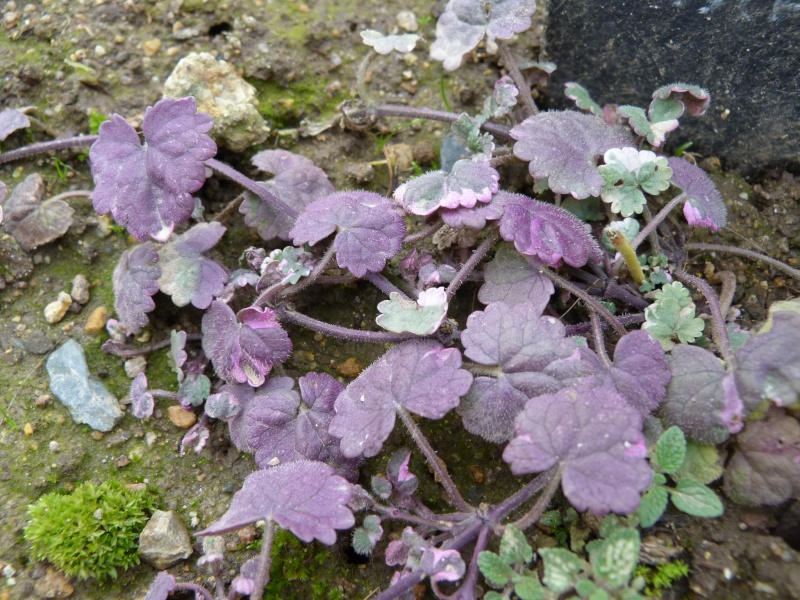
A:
(744, 52)
(221, 93)
(164, 541)
(87, 400)
(80, 289)
(38, 343)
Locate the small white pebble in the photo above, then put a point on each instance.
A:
(54, 446)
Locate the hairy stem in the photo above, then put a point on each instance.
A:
(582, 328)
(397, 110)
(744, 252)
(123, 351)
(229, 209)
(719, 331)
(163, 394)
(656, 221)
(42, 147)
(395, 514)
(480, 252)
(199, 590)
(384, 285)
(251, 186)
(265, 561)
(438, 466)
(424, 233)
(599, 342)
(345, 333)
(519, 79)
(590, 302)
(280, 289)
(537, 510)
(72, 194)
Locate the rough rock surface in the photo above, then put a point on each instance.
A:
(164, 541)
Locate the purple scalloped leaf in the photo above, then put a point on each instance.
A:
(284, 427)
(11, 120)
(513, 278)
(765, 468)
(304, 497)
(31, 221)
(186, 274)
(244, 347)
(564, 147)
(369, 229)
(196, 438)
(142, 402)
(468, 183)
(597, 440)
(23, 201)
(402, 481)
(463, 24)
(768, 365)
(297, 182)
(162, 585)
(474, 217)
(442, 565)
(693, 97)
(148, 188)
(420, 376)
(545, 231)
(134, 281)
(222, 405)
(701, 397)
(490, 407)
(640, 371)
(704, 206)
(243, 394)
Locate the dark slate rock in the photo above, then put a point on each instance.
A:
(87, 400)
(745, 52)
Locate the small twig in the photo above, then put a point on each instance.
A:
(621, 245)
(513, 70)
(120, 349)
(229, 209)
(728, 281)
(744, 252)
(583, 328)
(397, 110)
(73, 194)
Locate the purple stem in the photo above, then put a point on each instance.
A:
(537, 510)
(384, 285)
(471, 263)
(410, 112)
(720, 331)
(435, 463)
(354, 335)
(395, 514)
(656, 221)
(42, 147)
(599, 342)
(424, 233)
(744, 252)
(252, 186)
(467, 586)
(163, 394)
(120, 349)
(265, 556)
(519, 79)
(193, 587)
(581, 328)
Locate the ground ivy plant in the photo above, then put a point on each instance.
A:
(571, 395)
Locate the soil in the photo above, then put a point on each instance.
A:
(71, 60)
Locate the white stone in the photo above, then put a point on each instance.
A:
(55, 311)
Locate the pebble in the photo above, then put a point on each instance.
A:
(151, 47)
(28, 429)
(80, 289)
(96, 321)
(122, 461)
(55, 311)
(43, 400)
(180, 417)
(53, 585)
(164, 541)
(54, 446)
(150, 438)
(135, 365)
(407, 20)
(350, 368)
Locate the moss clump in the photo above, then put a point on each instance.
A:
(662, 577)
(90, 532)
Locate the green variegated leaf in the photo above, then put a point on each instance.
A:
(496, 571)
(615, 559)
(514, 547)
(561, 568)
(670, 450)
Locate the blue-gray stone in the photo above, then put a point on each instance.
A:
(87, 400)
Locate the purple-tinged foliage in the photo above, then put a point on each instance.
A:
(596, 439)
(186, 274)
(22, 201)
(704, 206)
(545, 231)
(297, 182)
(768, 365)
(420, 376)
(194, 389)
(386, 44)
(502, 100)
(442, 565)
(473, 218)
(31, 221)
(223, 405)
(422, 317)
(304, 497)
(148, 188)
(403, 481)
(701, 396)
(468, 183)
(10, 121)
(564, 146)
(463, 24)
(765, 468)
(514, 279)
(161, 587)
(693, 97)
(532, 355)
(142, 402)
(244, 347)
(654, 125)
(135, 280)
(245, 582)
(369, 229)
(640, 371)
(243, 395)
(196, 438)
(177, 354)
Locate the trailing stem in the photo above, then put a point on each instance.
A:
(265, 561)
(434, 461)
(599, 342)
(748, 253)
(519, 79)
(471, 579)
(345, 333)
(471, 263)
(656, 221)
(251, 186)
(424, 233)
(120, 349)
(537, 510)
(279, 289)
(384, 285)
(397, 110)
(719, 331)
(51, 146)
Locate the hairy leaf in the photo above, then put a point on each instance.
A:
(704, 206)
(696, 499)
(463, 24)
(665, 320)
(580, 96)
(514, 279)
(654, 503)
(419, 376)
(693, 97)
(626, 173)
(474, 217)
(369, 229)
(243, 347)
(186, 274)
(11, 120)
(135, 280)
(194, 389)
(561, 568)
(549, 233)
(670, 450)
(177, 354)
(297, 182)
(564, 146)
(304, 497)
(442, 565)
(148, 188)
(31, 221)
(468, 183)
(142, 402)
(661, 118)
(497, 571)
(597, 440)
(386, 44)
(615, 557)
(422, 317)
(502, 100)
